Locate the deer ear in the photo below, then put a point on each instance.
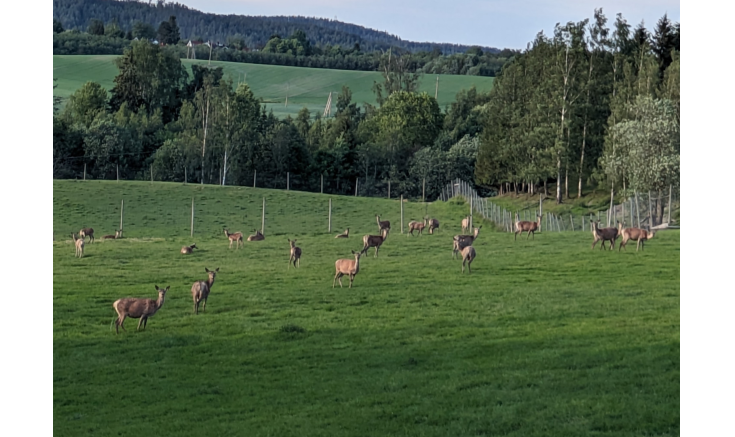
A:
(217, 269)
(156, 287)
(168, 287)
(206, 269)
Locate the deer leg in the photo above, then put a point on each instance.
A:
(204, 305)
(122, 323)
(469, 267)
(638, 245)
(196, 307)
(335, 279)
(376, 252)
(352, 278)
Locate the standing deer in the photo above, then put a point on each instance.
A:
(462, 241)
(188, 249)
(87, 232)
(257, 236)
(200, 290)
(345, 234)
(530, 227)
(137, 309)
(375, 241)
(78, 245)
(234, 238)
(639, 235)
(382, 224)
(433, 224)
(117, 235)
(466, 223)
(347, 267)
(417, 226)
(604, 234)
(295, 254)
(468, 254)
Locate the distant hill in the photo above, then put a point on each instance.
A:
(255, 31)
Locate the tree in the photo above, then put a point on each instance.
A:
(113, 30)
(143, 30)
(164, 32)
(174, 35)
(664, 41)
(399, 74)
(96, 27)
(58, 27)
(86, 103)
(57, 99)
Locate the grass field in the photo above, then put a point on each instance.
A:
(545, 338)
(308, 87)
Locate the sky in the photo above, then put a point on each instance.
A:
(492, 23)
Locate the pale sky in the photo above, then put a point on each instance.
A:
(493, 23)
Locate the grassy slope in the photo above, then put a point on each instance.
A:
(544, 338)
(308, 87)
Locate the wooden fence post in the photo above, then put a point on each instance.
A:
(669, 219)
(117, 166)
(389, 188)
(357, 181)
(85, 175)
(288, 176)
(571, 220)
(262, 219)
(322, 189)
(329, 222)
(122, 210)
(192, 217)
(185, 176)
(255, 175)
(401, 213)
(637, 209)
(650, 211)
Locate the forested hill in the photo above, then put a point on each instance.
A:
(255, 31)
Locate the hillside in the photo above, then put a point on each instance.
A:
(308, 87)
(75, 14)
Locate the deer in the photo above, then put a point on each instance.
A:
(345, 234)
(87, 232)
(433, 224)
(374, 241)
(604, 234)
(417, 226)
(234, 238)
(640, 235)
(200, 290)
(468, 255)
(382, 224)
(188, 249)
(347, 267)
(138, 308)
(530, 227)
(466, 223)
(462, 241)
(295, 254)
(118, 234)
(257, 236)
(78, 245)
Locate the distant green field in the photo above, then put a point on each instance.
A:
(308, 87)
(545, 338)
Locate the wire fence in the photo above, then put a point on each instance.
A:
(642, 210)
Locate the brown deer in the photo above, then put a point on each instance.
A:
(345, 234)
(200, 290)
(466, 224)
(462, 241)
(137, 309)
(468, 255)
(382, 224)
(257, 236)
(188, 249)
(113, 237)
(347, 267)
(530, 227)
(87, 232)
(639, 235)
(433, 224)
(78, 245)
(417, 226)
(295, 254)
(234, 238)
(604, 234)
(375, 241)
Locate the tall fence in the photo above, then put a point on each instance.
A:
(642, 210)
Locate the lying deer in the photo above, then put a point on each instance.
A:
(295, 254)
(382, 224)
(417, 226)
(345, 234)
(530, 227)
(639, 235)
(78, 245)
(188, 249)
(347, 267)
(200, 290)
(137, 309)
(433, 224)
(466, 224)
(375, 241)
(117, 235)
(234, 238)
(462, 241)
(87, 232)
(604, 234)
(468, 254)
(257, 236)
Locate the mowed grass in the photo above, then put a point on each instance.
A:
(309, 87)
(545, 337)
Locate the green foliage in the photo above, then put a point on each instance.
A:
(86, 104)
(143, 30)
(113, 30)
(96, 27)
(58, 27)
(297, 45)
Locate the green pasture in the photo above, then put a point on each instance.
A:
(545, 338)
(308, 87)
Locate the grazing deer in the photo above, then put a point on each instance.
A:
(345, 234)
(78, 245)
(466, 223)
(200, 290)
(382, 225)
(375, 241)
(417, 226)
(468, 254)
(530, 227)
(347, 267)
(234, 238)
(462, 241)
(257, 236)
(295, 254)
(113, 237)
(639, 235)
(188, 249)
(433, 224)
(137, 309)
(604, 234)
(87, 232)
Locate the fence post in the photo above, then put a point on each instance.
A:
(669, 219)
(637, 209)
(151, 173)
(471, 199)
(401, 213)
(122, 210)
(650, 211)
(185, 176)
(85, 175)
(117, 166)
(192, 217)
(262, 219)
(288, 177)
(357, 181)
(322, 187)
(329, 222)
(571, 219)
(255, 175)
(389, 188)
